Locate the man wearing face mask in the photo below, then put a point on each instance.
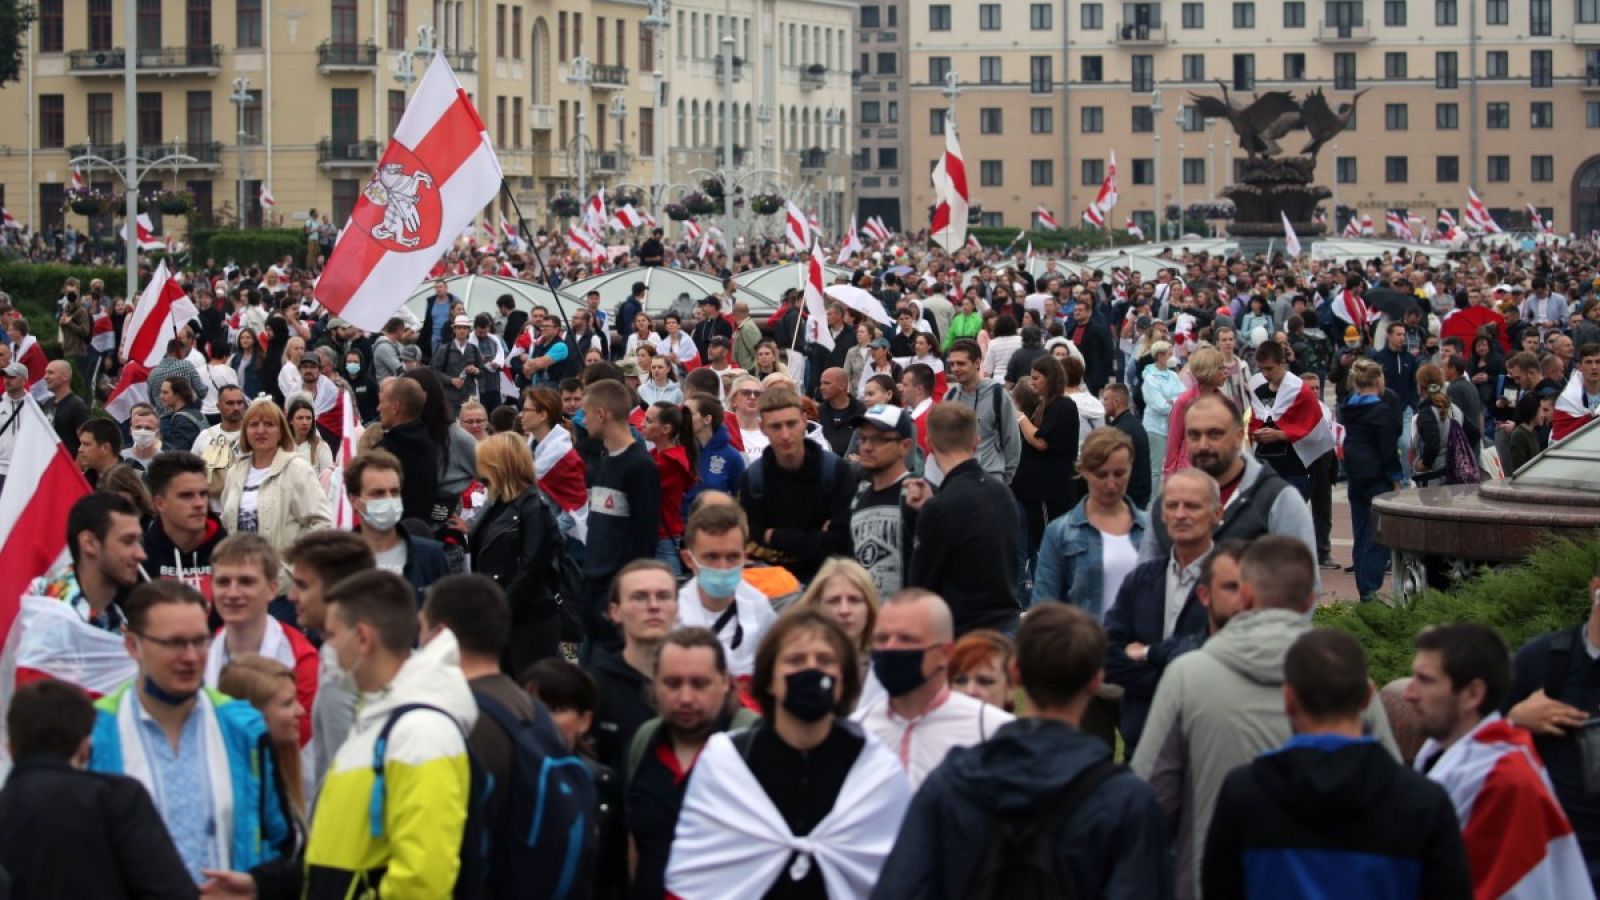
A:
(717, 597)
(375, 481)
(921, 718)
(144, 429)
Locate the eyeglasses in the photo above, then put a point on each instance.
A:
(749, 393)
(197, 643)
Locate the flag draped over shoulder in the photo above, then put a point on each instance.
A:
(40, 488)
(1296, 412)
(1574, 409)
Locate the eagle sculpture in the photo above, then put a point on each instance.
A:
(1321, 122)
(1259, 125)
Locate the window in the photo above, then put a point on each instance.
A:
(516, 37)
(938, 69)
(936, 121)
(198, 113)
(1194, 67)
(1499, 168)
(500, 33)
(1444, 70)
(1444, 12)
(149, 118)
(1041, 120)
(989, 120)
(1092, 119)
(988, 17)
(1294, 14)
(1394, 66)
(1090, 70)
(345, 123)
(149, 23)
(888, 158)
(893, 16)
(1344, 170)
(397, 109)
(1542, 168)
(1194, 170)
(1093, 17)
(1294, 67)
(989, 69)
(1395, 117)
(395, 24)
(1497, 12)
(500, 118)
(346, 191)
(1244, 15)
(1189, 119)
(1446, 116)
(894, 111)
(343, 29)
(869, 16)
(871, 112)
(1591, 114)
(247, 15)
(1144, 74)
(1039, 17)
(888, 63)
(252, 116)
(52, 121)
(100, 119)
(99, 25)
(1539, 18)
(1194, 15)
(1543, 114)
(1344, 71)
(1244, 71)
(561, 38)
(197, 23)
(1394, 169)
(1541, 69)
(991, 173)
(1042, 172)
(1144, 120)
(1497, 64)
(1588, 12)
(1041, 74)
(1447, 169)
(1092, 171)
(1499, 115)
(939, 17)
(1144, 171)
(50, 26)
(1394, 12)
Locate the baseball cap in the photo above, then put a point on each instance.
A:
(16, 370)
(411, 352)
(709, 300)
(879, 342)
(311, 359)
(885, 418)
(630, 369)
(337, 322)
(720, 341)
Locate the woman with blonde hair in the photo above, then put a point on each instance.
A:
(269, 686)
(512, 540)
(1431, 428)
(270, 490)
(1203, 372)
(1087, 553)
(1372, 461)
(844, 591)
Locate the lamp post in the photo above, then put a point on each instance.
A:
(1183, 176)
(658, 23)
(1155, 175)
(239, 97)
(128, 170)
(1211, 162)
(619, 114)
(581, 76)
(130, 143)
(728, 167)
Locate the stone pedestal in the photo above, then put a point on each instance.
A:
(1272, 187)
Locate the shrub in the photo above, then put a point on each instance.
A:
(256, 246)
(35, 288)
(1064, 239)
(1546, 592)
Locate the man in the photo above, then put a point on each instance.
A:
(643, 605)
(11, 409)
(1114, 397)
(65, 410)
(1093, 338)
(54, 816)
(628, 309)
(1544, 309)
(718, 597)
(919, 717)
(318, 561)
(1217, 588)
(900, 338)
(624, 499)
(746, 335)
(489, 350)
(586, 333)
(179, 543)
(436, 318)
(166, 729)
(104, 540)
(1217, 708)
(1255, 501)
(837, 409)
(1519, 842)
(176, 362)
(917, 386)
(99, 448)
(374, 482)
(1400, 375)
(1102, 822)
(882, 525)
(1331, 813)
(406, 840)
(966, 534)
(1579, 402)
(1287, 426)
(400, 404)
(218, 444)
(695, 700)
(719, 358)
(710, 324)
(651, 251)
(1157, 610)
(796, 494)
(999, 440)
(1465, 397)
(386, 349)
(458, 362)
(550, 359)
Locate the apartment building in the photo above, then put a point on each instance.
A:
(882, 84)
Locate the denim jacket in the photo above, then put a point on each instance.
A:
(1069, 566)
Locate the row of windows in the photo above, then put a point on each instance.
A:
(197, 15)
(1339, 14)
(1396, 170)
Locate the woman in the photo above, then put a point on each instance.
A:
(966, 323)
(879, 362)
(746, 394)
(719, 465)
(662, 386)
(1371, 420)
(1043, 482)
(676, 345)
(308, 445)
(880, 390)
(1486, 367)
(844, 591)
(218, 374)
(1091, 411)
(855, 359)
(1086, 554)
(289, 382)
(747, 807)
(671, 430)
(457, 450)
(1431, 459)
(1531, 414)
(271, 490)
(510, 543)
(269, 686)
(645, 354)
(181, 419)
(363, 387)
(980, 667)
(643, 335)
(768, 360)
(1257, 316)
(276, 341)
(1160, 388)
(1003, 341)
(925, 351)
(557, 467)
(247, 363)
(1204, 373)
(474, 420)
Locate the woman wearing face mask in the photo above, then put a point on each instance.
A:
(511, 544)
(362, 385)
(804, 773)
(271, 490)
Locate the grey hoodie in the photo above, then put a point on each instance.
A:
(1215, 710)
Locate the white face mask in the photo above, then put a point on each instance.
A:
(144, 438)
(384, 513)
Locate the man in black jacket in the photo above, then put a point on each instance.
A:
(797, 495)
(711, 325)
(400, 410)
(966, 541)
(67, 832)
(1332, 812)
(643, 605)
(1094, 341)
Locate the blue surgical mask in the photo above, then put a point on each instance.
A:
(718, 583)
(353, 368)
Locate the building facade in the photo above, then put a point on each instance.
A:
(882, 84)
(1503, 96)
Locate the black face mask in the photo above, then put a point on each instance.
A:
(156, 692)
(899, 671)
(809, 694)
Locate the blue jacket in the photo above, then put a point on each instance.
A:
(1069, 567)
(425, 562)
(721, 466)
(1139, 615)
(259, 828)
(1399, 374)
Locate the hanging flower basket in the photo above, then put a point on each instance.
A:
(175, 203)
(119, 203)
(677, 212)
(564, 206)
(712, 187)
(87, 202)
(620, 200)
(766, 204)
(699, 204)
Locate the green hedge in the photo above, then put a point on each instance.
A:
(1547, 592)
(35, 288)
(257, 246)
(1064, 239)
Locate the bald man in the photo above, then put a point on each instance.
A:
(65, 410)
(919, 716)
(838, 407)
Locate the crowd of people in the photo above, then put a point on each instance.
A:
(665, 600)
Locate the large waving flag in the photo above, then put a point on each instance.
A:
(1107, 198)
(40, 488)
(267, 200)
(1574, 409)
(1351, 308)
(851, 245)
(1132, 227)
(1045, 218)
(626, 218)
(951, 200)
(31, 355)
(163, 306)
(1397, 224)
(1094, 217)
(816, 307)
(438, 171)
(1291, 241)
(145, 230)
(1477, 215)
(797, 228)
(1352, 228)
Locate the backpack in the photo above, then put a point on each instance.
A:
(1021, 858)
(1460, 462)
(565, 579)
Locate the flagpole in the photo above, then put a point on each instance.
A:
(533, 247)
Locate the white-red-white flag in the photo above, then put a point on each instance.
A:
(692, 229)
(1291, 241)
(31, 354)
(951, 200)
(146, 233)
(1534, 219)
(1352, 309)
(76, 181)
(594, 213)
(437, 172)
(1477, 215)
(1295, 411)
(814, 223)
(40, 487)
(267, 200)
(1574, 409)
(163, 307)
(1367, 229)
(816, 307)
(972, 241)
(513, 237)
(344, 514)
(580, 240)
(1045, 218)
(1107, 197)
(851, 244)
(1133, 228)
(1397, 225)
(1093, 217)
(10, 221)
(796, 228)
(132, 389)
(626, 218)
(879, 230)
(1352, 228)
(103, 336)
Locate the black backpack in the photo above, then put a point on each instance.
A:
(564, 581)
(1021, 858)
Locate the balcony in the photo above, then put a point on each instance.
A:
(609, 163)
(206, 154)
(333, 57)
(813, 161)
(155, 60)
(1586, 33)
(1140, 34)
(612, 78)
(462, 60)
(1345, 32)
(738, 70)
(813, 77)
(542, 118)
(340, 154)
(738, 156)
(1591, 83)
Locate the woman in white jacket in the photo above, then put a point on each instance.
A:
(271, 491)
(1161, 387)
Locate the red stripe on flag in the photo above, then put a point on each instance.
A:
(35, 542)
(1512, 823)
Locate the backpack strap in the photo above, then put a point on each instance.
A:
(1557, 660)
(999, 432)
(381, 745)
